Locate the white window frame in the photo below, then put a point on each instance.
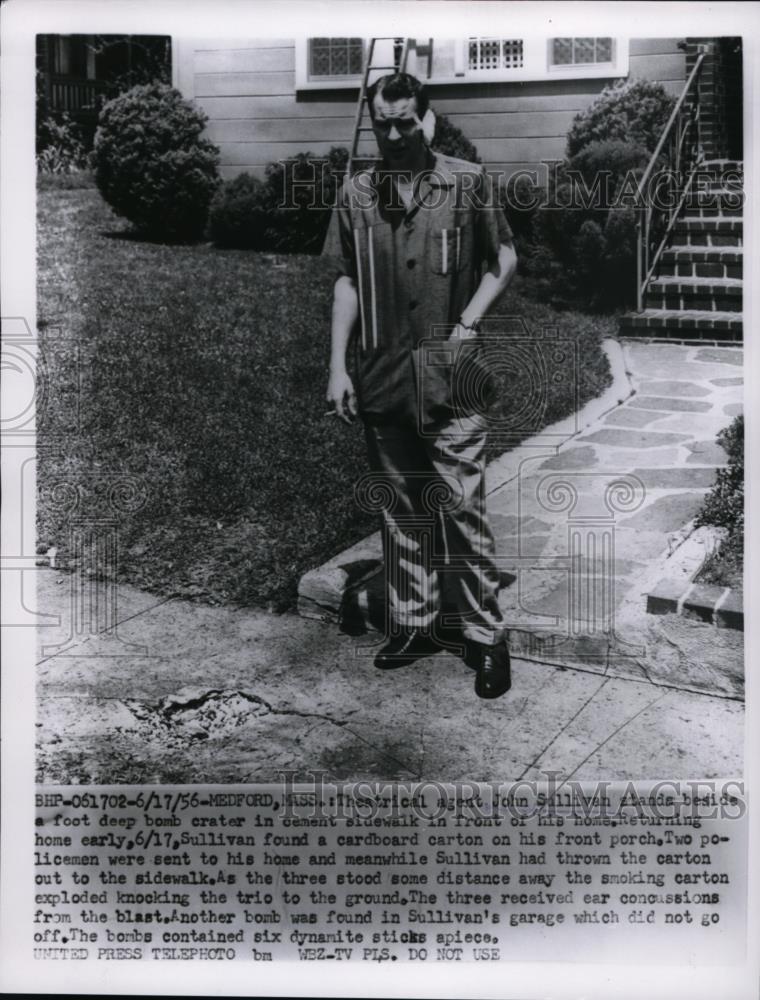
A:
(305, 82)
(553, 68)
(338, 77)
(537, 65)
(462, 59)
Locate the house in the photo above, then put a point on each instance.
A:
(514, 98)
(268, 99)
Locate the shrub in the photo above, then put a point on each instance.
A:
(724, 507)
(521, 198)
(60, 149)
(288, 212)
(579, 248)
(451, 141)
(581, 244)
(634, 111)
(724, 504)
(241, 213)
(303, 191)
(152, 166)
(617, 159)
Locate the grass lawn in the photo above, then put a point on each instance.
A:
(199, 374)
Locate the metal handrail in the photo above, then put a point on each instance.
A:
(646, 258)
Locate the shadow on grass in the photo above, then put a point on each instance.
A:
(136, 236)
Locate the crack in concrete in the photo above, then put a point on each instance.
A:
(632, 680)
(612, 735)
(639, 664)
(529, 698)
(566, 726)
(309, 715)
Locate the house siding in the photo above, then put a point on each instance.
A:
(658, 59)
(248, 90)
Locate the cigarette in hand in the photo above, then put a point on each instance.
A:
(330, 413)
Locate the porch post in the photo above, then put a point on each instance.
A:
(711, 95)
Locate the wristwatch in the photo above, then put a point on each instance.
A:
(475, 325)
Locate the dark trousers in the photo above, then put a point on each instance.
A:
(437, 543)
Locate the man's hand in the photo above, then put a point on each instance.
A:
(340, 393)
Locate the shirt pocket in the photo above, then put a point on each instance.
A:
(447, 253)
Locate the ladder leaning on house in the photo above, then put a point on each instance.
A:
(400, 56)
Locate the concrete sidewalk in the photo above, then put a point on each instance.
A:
(220, 695)
(187, 693)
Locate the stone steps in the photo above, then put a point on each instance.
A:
(702, 262)
(705, 294)
(698, 290)
(683, 324)
(714, 201)
(718, 231)
(721, 167)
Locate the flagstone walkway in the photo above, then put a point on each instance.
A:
(593, 527)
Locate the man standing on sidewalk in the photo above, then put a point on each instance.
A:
(410, 239)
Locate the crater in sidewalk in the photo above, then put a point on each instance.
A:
(194, 714)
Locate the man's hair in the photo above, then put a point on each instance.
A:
(396, 87)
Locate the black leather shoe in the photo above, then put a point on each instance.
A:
(494, 674)
(403, 649)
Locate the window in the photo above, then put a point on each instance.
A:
(337, 63)
(532, 58)
(495, 53)
(335, 57)
(581, 51)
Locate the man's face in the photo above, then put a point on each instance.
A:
(398, 131)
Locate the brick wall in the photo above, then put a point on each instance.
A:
(720, 94)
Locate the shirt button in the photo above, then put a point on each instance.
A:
(410, 263)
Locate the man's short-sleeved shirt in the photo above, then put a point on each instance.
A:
(415, 270)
